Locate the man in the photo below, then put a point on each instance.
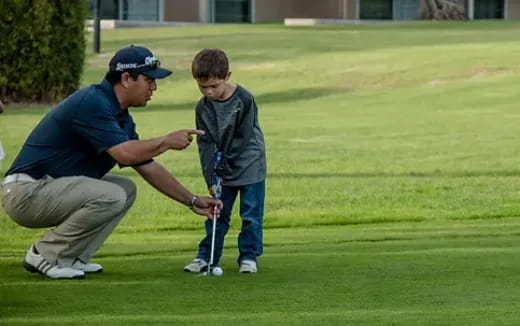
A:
(60, 180)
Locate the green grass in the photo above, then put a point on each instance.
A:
(458, 273)
(392, 191)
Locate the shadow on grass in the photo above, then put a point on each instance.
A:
(290, 95)
(433, 174)
(298, 94)
(44, 108)
(353, 175)
(285, 96)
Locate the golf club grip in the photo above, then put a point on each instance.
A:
(218, 190)
(217, 179)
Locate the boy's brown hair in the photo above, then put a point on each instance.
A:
(210, 63)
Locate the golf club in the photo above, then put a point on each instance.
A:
(216, 195)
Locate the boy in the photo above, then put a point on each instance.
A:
(228, 114)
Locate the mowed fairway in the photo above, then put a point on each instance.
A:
(392, 194)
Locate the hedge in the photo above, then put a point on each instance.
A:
(42, 49)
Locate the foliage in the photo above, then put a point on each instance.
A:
(42, 50)
(442, 10)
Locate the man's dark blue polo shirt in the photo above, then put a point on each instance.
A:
(72, 138)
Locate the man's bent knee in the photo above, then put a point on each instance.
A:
(112, 201)
(127, 184)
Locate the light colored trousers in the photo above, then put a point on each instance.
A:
(82, 210)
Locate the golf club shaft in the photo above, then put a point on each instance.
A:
(214, 230)
(216, 195)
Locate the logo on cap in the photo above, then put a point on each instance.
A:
(122, 66)
(149, 61)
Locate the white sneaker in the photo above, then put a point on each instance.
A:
(88, 267)
(248, 266)
(196, 266)
(35, 263)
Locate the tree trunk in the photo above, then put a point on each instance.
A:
(442, 10)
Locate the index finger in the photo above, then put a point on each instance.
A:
(195, 132)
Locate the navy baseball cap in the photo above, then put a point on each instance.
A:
(138, 59)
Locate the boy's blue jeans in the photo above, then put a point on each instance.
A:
(250, 239)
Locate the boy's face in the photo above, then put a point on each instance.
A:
(213, 88)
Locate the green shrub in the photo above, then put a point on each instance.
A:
(42, 49)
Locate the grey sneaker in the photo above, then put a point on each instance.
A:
(248, 267)
(87, 267)
(196, 266)
(35, 263)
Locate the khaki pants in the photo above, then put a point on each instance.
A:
(82, 210)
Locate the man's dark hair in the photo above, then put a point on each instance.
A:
(114, 77)
(210, 63)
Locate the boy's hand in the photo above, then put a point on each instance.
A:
(208, 207)
(181, 139)
(212, 190)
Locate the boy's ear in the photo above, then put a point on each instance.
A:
(228, 75)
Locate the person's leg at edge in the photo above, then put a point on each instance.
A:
(250, 239)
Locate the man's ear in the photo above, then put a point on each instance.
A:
(125, 79)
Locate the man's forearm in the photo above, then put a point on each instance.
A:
(149, 148)
(136, 151)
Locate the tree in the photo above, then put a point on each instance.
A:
(43, 49)
(442, 10)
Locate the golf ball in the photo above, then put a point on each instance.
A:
(217, 271)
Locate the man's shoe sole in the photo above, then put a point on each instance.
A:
(30, 268)
(96, 272)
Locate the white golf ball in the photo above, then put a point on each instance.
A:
(217, 271)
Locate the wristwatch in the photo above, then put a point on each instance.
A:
(193, 200)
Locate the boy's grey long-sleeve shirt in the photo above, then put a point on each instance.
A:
(231, 127)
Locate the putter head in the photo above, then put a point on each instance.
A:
(202, 274)
(214, 271)
(205, 271)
